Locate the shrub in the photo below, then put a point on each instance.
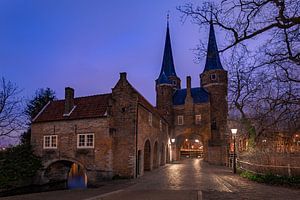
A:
(272, 179)
(18, 165)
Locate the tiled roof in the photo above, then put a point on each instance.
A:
(86, 107)
(199, 95)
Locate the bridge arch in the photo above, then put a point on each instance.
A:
(65, 173)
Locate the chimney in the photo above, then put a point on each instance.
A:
(188, 98)
(69, 100)
(188, 85)
(123, 75)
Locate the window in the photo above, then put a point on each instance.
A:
(50, 141)
(213, 77)
(180, 120)
(160, 125)
(214, 124)
(85, 140)
(150, 119)
(174, 82)
(197, 119)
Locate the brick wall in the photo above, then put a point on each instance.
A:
(153, 133)
(97, 159)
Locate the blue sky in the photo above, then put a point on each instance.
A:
(85, 44)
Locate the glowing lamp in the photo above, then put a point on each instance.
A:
(234, 131)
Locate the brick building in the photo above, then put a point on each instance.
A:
(121, 134)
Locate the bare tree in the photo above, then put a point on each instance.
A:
(274, 23)
(260, 99)
(11, 112)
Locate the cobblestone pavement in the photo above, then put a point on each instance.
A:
(186, 180)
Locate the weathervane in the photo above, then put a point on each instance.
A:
(168, 17)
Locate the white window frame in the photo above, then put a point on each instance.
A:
(180, 120)
(85, 141)
(160, 125)
(51, 144)
(198, 119)
(150, 118)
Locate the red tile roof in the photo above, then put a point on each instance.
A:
(86, 107)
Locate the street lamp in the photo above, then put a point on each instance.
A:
(234, 131)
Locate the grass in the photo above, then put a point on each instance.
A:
(293, 181)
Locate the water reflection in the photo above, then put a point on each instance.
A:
(76, 177)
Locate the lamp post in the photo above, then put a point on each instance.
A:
(234, 131)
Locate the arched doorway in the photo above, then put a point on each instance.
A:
(162, 154)
(155, 155)
(147, 156)
(66, 174)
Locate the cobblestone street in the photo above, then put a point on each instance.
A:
(187, 179)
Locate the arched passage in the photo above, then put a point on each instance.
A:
(147, 156)
(189, 146)
(162, 154)
(66, 174)
(155, 155)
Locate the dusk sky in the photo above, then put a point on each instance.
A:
(85, 44)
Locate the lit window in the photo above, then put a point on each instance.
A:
(85, 140)
(213, 77)
(160, 125)
(180, 120)
(198, 119)
(50, 141)
(150, 119)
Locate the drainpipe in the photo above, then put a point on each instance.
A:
(137, 166)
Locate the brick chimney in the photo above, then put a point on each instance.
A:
(188, 86)
(123, 75)
(188, 98)
(69, 100)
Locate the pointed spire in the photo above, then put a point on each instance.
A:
(212, 57)
(167, 68)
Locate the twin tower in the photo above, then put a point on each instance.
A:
(183, 106)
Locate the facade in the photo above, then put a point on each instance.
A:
(121, 134)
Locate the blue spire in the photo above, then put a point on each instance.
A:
(212, 57)
(167, 67)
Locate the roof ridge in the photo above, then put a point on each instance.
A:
(104, 94)
(81, 97)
